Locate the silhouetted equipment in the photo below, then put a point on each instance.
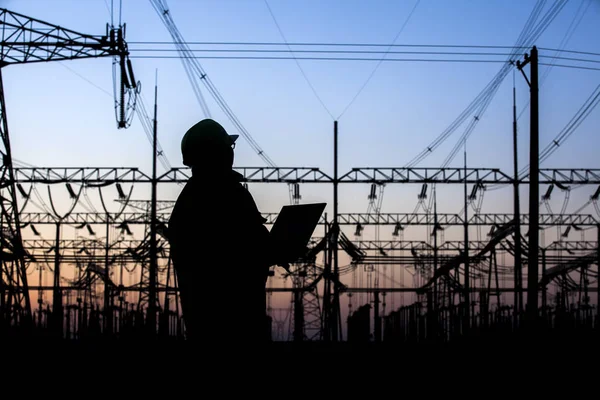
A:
(359, 325)
(29, 40)
(293, 229)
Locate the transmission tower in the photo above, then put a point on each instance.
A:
(29, 40)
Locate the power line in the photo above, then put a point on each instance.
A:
(571, 59)
(160, 6)
(324, 52)
(528, 36)
(568, 34)
(297, 63)
(317, 58)
(571, 66)
(262, 51)
(328, 44)
(571, 51)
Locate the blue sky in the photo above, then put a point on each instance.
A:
(59, 119)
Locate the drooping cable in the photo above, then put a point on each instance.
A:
(162, 10)
(529, 40)
(296, 60)
(410, 14)
(528, 36)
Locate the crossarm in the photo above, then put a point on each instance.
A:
(25, 40)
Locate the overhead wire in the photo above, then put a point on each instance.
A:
(297, 63)
(566, 38)
(183, 50)
(528, 39)
(319, 44)
(107, 7)
(581, 114)
(482, 100)
(410, 14)
(145, 120)
(262, 58)
(160, 6)
(374, 52)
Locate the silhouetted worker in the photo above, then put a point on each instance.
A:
(219, 244)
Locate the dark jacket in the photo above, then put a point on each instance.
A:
(219, 249)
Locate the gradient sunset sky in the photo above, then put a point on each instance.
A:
(57, 118)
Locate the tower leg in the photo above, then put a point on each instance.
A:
(14, 291)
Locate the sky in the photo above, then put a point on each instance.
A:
(61, 114)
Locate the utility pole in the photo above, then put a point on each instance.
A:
(534, 164)
(435, 252)
(57, 306)
(108, 315)
(152, 301)
(467, 289)
(336, 317)
(518, 299)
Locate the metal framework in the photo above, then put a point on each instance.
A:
(404, 219)
(107, 175)
(29, 40)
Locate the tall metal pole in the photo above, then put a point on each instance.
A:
(336, 317)
(108, 326)
(518, 284)
(534, 162)
(152, 300)
(57, 308)
(435, 252)
(467, 296)
(14, 290)
(534, 180)
(544, 287)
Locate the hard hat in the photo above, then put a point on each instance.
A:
(204, 135)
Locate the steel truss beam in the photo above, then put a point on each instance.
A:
(38, 246)
(404, 219)
(28, 40)
(468, 175)
(458, 245)
(108, 175)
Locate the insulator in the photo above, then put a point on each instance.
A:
(70, 190)
(373, 194)
(24, 193)
(473, 194)
(359, 229)
(120, 190)
(548, 192)
(423, 193)
(596, 194)
(131, 76)
(89, 228)
(124, 77)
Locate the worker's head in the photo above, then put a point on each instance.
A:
(207, 144)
